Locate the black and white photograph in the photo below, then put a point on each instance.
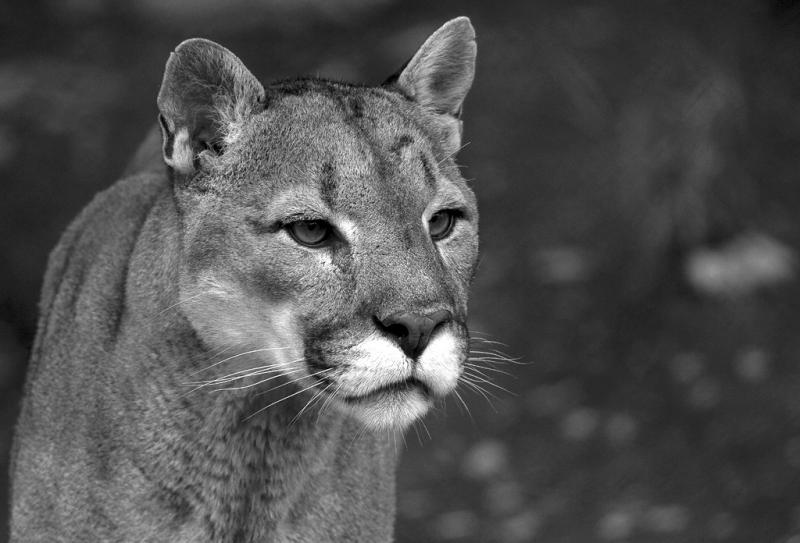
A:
(371, 271)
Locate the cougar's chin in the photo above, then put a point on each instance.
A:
(392, 407)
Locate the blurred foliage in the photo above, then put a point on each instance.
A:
(633, 160)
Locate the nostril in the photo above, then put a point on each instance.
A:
(397, 330)
(413, 331)
(404, 328)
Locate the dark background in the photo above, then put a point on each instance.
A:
(636, 165)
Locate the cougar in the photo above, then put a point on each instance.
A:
(233, 335)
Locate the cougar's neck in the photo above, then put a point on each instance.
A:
(245, 473)
(228, 461)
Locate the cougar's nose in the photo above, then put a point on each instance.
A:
(413, 331)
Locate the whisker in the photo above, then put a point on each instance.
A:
(254, 373)
(425, 427)
(454, 153)
(293, 381)
(329, 400)
(311, 401)
(481, 391)
(206, 356)
(494, 354)
(477, 374)
(251, 385)
(241, 374)
(469, 364)
(282, 399)
(359, 433)
(244, 374)
(179, 302)
(416, 431)
(471, 381)
(262, 350)
(233, 376)
(466, 407)
(479, 339)
(475, 370)
(492, 359)
(393, 436)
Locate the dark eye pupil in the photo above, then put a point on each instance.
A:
(309, 232)
(440, 224)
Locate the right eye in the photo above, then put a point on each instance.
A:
(310, 233)
(441, 224)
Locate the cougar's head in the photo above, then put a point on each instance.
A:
(327, 231)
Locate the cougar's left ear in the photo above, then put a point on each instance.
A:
(205, 96)
(440, 74)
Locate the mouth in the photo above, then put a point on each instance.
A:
(407, 386)
(392, 406)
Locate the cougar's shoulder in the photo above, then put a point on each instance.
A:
(85, 281)
(69, 391)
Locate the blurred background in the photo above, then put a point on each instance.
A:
(636, 166)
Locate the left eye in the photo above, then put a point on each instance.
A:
(310, 233)
(441, 224)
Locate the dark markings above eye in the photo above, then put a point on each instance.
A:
(327, 189)
(356, 107)
(430, 178)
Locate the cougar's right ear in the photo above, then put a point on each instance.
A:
(205, 95)
(440, 74)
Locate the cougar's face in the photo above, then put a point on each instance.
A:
(336, 240)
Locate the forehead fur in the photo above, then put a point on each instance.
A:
(369, 141)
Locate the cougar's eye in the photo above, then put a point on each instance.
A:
(441, 224)
(310, 233)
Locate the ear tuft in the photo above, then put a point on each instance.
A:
(205, 95)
